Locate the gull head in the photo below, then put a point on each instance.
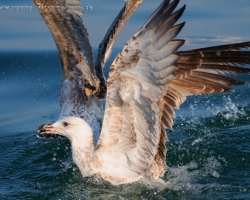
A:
(70, 127)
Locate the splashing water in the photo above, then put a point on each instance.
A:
(230, 110)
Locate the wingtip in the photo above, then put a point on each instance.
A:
(182, 9)
(182, 24)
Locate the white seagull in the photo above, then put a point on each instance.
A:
(148, 79)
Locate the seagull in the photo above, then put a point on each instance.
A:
(149, 78)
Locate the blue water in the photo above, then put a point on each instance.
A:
(208, 151)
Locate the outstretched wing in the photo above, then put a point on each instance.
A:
(105, 47)
(148, 79)
(71, 37)
(201, 71)
(138, 79)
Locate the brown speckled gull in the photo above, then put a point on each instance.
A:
(148, 79)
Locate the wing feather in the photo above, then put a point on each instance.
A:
(71, 37)
(200, 72)
(168, 27)
(105, 47)
(137, 81)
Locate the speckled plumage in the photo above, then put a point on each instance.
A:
(148, 79)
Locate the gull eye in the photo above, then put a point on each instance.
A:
(65, 124)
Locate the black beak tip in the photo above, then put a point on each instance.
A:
(41, 128)
(42, 133)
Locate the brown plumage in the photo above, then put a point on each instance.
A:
(201, 72)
